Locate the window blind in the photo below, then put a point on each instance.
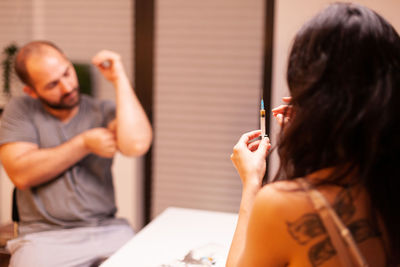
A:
(207, 86)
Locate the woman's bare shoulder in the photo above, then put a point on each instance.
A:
(276, 206)
(281, 190)
(286, 199)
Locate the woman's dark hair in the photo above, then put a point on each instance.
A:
(344, 79)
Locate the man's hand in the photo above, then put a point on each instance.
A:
(112, 126)
(109, 64)
(100, 141)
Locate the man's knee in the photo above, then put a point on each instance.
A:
(25, 253)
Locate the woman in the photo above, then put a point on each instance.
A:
(340, 138)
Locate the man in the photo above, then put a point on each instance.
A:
(57, 148)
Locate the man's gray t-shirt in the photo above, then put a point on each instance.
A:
(82, 195)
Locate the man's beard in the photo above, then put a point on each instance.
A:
(62, 104)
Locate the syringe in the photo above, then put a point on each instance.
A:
(262, 119)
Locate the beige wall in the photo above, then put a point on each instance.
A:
(289, 17)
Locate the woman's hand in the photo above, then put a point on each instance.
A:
(249, 161)
(283, 113)
(250, 158)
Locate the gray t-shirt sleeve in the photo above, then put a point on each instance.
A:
(16, 123)
(108, 110)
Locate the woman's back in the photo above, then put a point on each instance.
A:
(298, 232)
(343, 115)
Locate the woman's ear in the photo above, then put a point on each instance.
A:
(30, 91)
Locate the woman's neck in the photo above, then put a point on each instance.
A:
(326, 173)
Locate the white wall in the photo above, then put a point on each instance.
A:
(289, 17)
(81, 29)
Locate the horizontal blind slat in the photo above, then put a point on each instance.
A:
(208, 73)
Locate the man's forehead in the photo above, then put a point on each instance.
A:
(46, 56)
(47, 65)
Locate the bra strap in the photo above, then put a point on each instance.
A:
(339, 234)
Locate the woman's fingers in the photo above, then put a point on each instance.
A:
(283, 113)
(254, 145)
(279, 109)
(245, 138)
(264, 146)
(279, 118)
(283, 109)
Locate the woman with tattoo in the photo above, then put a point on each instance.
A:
(336, 201)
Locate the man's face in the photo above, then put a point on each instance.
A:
(54, 80)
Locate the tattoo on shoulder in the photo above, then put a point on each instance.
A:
(321, 252)
(344, 206)
(309, 228)
(362, 230)
(306, 228)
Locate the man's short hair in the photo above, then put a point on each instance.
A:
(34, 47)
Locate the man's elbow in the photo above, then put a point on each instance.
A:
(19, 182)
(21, 179)
(135, 149)
(16, 176)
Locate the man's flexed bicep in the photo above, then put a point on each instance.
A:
(132, 129)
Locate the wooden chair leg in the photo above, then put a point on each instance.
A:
(15, 229)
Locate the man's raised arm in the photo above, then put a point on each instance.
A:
(132, 128)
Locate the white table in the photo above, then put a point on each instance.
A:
(174, 233)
